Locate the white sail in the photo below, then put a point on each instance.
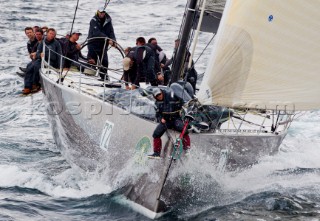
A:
(266, 55)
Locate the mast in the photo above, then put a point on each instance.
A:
(179, 57)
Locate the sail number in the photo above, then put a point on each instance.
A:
(106, 135)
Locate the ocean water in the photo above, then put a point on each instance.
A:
(37, 183)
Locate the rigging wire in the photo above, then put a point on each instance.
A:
(74, 17)
(106, 3)
(61, 78)
(204, 50)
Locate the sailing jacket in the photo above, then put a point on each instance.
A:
(69, 50)
(55, 52)
(100, 28)
(144, 60)
(31, 44)
(169, 108)
(156, 49)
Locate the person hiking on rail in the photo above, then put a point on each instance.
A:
(168, 116)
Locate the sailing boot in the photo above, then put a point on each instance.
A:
(103, 77)
(157, 145)
(155, 155)
(26, 91)
(35, 88)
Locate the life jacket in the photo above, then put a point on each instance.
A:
(169, 108)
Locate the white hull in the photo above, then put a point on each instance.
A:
(80, 134)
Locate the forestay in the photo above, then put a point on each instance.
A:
(266, 55)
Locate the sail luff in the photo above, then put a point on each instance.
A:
(266, 56)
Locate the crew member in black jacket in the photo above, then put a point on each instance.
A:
(70, 48)
(55, 57)
(100, 26)
(168, 116)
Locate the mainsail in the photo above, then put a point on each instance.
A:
(266, 55)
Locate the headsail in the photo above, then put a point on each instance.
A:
(266, 55)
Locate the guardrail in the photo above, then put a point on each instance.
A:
(279, 118)
(83, 65)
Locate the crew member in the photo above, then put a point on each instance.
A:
(168, 116)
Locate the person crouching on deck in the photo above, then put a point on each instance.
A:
(168, 109)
